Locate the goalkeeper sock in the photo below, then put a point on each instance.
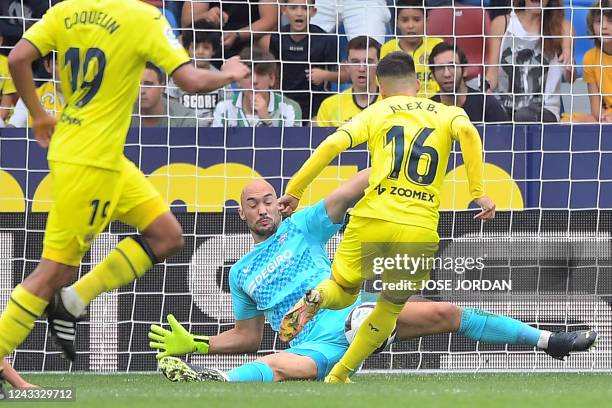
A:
(128, 261)
(334, 296)
(252, 372)
(491, 328)
(17, 321)
(374, 330)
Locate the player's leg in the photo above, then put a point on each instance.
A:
(82, 199)
(338, 292)
(421, 317)
(281, 366)
(403, 242)
(311, 360)
(141, 206)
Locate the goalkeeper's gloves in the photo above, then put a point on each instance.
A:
(177, 341)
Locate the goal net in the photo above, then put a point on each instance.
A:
(551, 238)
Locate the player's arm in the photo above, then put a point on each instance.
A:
(471, 149)
(344, 197)
(13, 377)
(245, 337)
(192, 79)
(331, 147)
(20, 64)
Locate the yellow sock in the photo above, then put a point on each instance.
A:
(125, 263)
(372, 333)
(17, 320)
(334, 296)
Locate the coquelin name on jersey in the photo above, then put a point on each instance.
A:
(92, 17)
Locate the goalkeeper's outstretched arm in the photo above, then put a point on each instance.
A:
(245, 337)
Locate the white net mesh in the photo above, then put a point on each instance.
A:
(552, 183)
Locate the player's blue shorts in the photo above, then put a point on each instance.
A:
(326, 343)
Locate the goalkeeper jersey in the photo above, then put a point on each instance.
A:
(102, 46)
(273, 276)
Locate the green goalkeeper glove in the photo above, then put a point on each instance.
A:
(176, 342)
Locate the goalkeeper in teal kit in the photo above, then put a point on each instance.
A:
(288, 259)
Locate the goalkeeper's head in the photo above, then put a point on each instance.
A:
(397, 76)
(259, 208)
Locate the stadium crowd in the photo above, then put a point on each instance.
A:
(313, 61)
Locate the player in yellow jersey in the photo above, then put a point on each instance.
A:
(102, 46)
(410, 141)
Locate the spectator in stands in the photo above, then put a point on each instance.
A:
(201, 45)
(410, 21)
(244, 22)
(8, 92)
(49, 94)
(17, 15)
(598, 61)
(532, 47)
(359, 17)
(256, 104)
(153, 109)
(448, 65)
(309, 59)
(363, 56)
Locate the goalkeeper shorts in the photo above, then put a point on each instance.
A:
(86, 199)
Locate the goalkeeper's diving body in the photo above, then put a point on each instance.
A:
(102, 46)
(288, 258)
(409, 140)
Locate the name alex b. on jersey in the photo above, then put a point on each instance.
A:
(406, 192)
(430, 107)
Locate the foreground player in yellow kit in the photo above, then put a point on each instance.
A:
(409, 140)
(103, 46)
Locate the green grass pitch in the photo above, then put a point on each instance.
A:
(372, 391)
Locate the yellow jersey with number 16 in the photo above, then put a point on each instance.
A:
(410, 140)
(102, 47)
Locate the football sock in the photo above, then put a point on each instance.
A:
(128, 261)
(253, 372)
(334, 296)
(376, 328)
(17, 320)
(491, 328)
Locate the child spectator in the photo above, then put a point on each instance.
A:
(256, 104)
(201, 44)
(308, 57)
(598, 61)
(531, 46)
(410, 22)
(363, 56)
(153, 109)
(49, 94)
